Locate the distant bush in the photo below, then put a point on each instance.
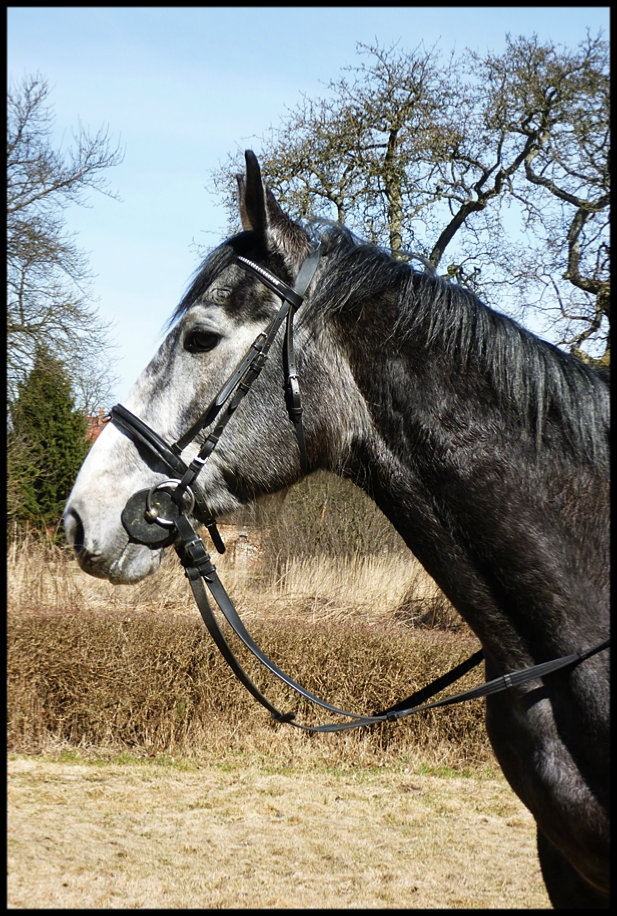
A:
(322, 514)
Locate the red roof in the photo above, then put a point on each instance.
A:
(94, 425)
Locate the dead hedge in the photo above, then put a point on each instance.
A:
(157, 685)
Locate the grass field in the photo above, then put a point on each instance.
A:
(141, 774)
(247, 833)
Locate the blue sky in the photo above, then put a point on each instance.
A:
(180, 88)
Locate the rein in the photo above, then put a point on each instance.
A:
(199, 569)
(158, 517)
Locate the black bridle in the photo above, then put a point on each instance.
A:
(144, 516)
(158, 517)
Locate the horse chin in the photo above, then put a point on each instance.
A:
(132, 564)
(135, 563)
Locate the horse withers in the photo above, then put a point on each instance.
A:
(485, 446)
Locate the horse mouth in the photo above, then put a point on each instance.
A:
(133, 563)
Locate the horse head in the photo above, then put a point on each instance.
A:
(224, 310)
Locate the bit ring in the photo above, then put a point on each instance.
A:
(152, 512)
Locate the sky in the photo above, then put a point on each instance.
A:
(179, 89)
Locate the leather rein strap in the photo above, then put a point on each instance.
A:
(199, 569)
(158, 518)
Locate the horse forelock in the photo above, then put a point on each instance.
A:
(223, 256)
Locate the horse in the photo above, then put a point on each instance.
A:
(484, 445)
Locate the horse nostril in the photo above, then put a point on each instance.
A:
(74, 530)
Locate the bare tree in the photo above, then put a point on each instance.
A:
(365, 154)
(435, 157)
(558, 104)
(47, 275)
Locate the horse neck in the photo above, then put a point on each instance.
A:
(489, 517)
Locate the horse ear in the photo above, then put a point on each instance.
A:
(260, 212)
(251, 197)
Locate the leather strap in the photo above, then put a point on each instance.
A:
(135, 428)
(271, 281)
(293, 400)
(198, 566)
(293, 295)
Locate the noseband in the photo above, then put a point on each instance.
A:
(157, 517)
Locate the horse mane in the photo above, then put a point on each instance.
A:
(528, 373)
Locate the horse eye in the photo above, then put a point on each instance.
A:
(199, 341)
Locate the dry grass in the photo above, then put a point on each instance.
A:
(372, 588)
(93, 665)
(160, 686)
(248, 835)
(158, 782)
